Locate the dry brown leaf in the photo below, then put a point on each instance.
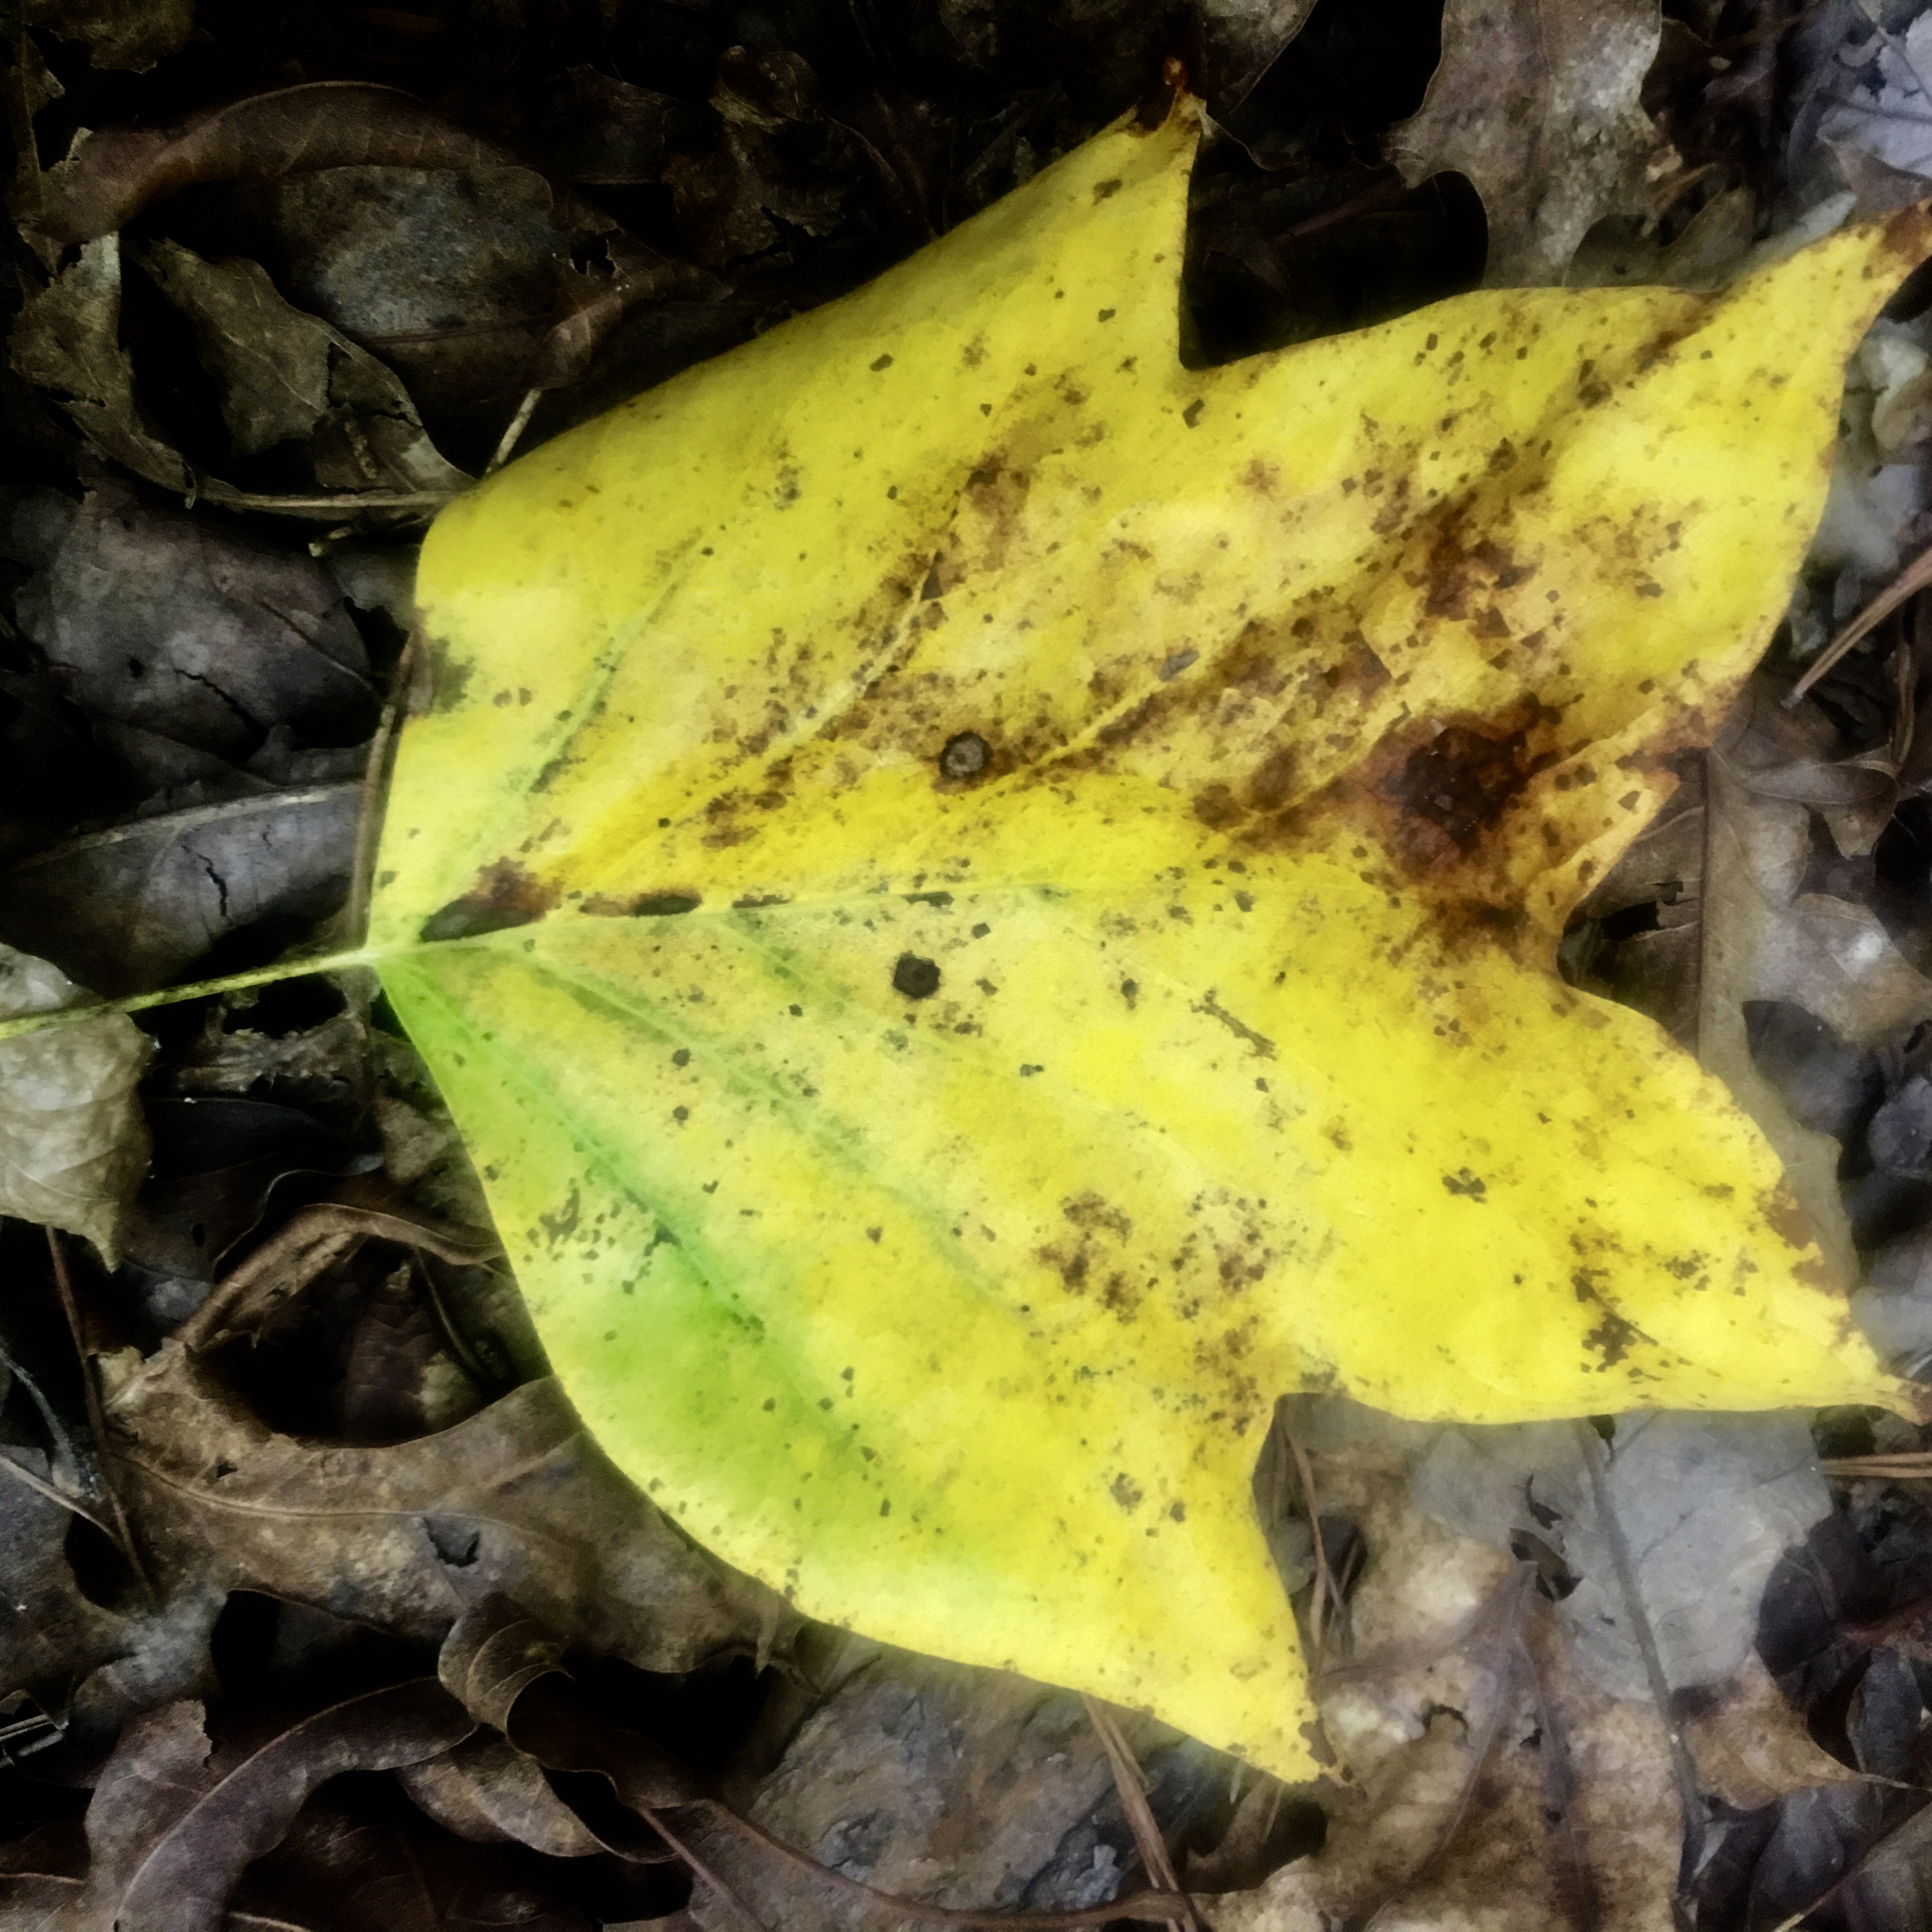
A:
(1573, 1801)
(1750, 1745)
(68, 339)
(173, 1822)
(73, 1146)
(1239, 40)
(129, 35)
(285, 376)
(515, 1498)
(115, 172)
(590, 304)
(490, 1792)
(1536, 102)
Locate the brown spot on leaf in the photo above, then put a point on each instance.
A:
(1456, 573)
(504, 896)
(448, 679)
(1464, 779)
(1610, 1340)
(1092, 1213)
(641, 905)
(1271, 785)
(1792, 1225)
(1070, 1263)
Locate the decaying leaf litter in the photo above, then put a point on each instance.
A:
(285, 1129)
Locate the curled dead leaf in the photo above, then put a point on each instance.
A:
(115, 172)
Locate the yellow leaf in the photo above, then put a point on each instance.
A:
(987, 904)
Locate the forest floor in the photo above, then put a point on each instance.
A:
(276, 1434)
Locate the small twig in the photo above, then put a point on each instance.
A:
(120, 1535)
(54, 1493)
(1131, 1784)
(655, 1818)
(1910, 581)
(16, 1729)
(513, 434)
(1324, 1581)
(340, 503)
(488, 1382)
(198, 989)
(1595, 1452)
(1909, 1466)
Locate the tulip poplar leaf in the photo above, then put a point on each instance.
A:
(987, 903)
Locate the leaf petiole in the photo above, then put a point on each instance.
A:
(197, 989)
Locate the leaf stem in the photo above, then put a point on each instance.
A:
(197, 989)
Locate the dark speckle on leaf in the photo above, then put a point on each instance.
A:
(641, 905)
(917, 978)
(966, 754)
(1463, 1182)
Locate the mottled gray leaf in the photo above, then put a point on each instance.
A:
(88, 1668)
(185, 627)
(449, 275)
(602, 131)
(1881, 110)
(956, 1786)
(133, 907)
(1537, 102)
(72, 1144)
(1240, 40)
(1707, 1503)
